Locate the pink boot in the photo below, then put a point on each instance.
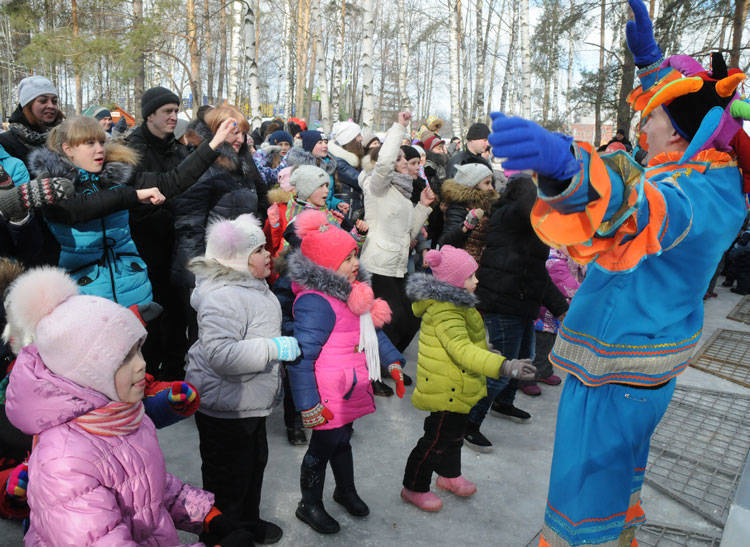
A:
(459, 486)
(426, 501)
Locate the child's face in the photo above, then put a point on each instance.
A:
(318, 197)
(471, 283)
(259, 263)
(486, 184)
(130, 378)
(350, 267)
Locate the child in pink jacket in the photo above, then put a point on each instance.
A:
(96, 474)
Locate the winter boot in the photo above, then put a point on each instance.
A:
(311, 510)
(342, 465)
(426, 501)
(351, 501)
(458, 485)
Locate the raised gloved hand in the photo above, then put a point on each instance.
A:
(16, 201)
(181, 394)
(18, 482)
(317, 415)
(640, 35)
(397, 373)
(518, 369)
(472, 218)
(527, 145)
(285, 348)
(274, 216)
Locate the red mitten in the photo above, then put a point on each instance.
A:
(317, 415)
(397, 373)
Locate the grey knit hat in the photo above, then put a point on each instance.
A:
(471, 174)
(33, 86)
(308, 178)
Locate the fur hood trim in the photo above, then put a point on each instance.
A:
(210, 269)
(299, 156)
(314, 277)
(338, 152)
(119, 161)
(367, 164)
(422, 286)
(277, 195)
(452, 192)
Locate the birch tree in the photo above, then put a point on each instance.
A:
(325, 105)
(403, 58)
(250, 46)
(338, 64)
(455, 52)
(288, 69)
(234, 52)
(525, 59)
(368, 96)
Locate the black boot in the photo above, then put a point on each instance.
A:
(342, 465)
(311, 510)
(351, 501)
(296, 436)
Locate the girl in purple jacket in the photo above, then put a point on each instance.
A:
(335, 320)
(96, 474)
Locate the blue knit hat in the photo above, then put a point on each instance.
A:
(310, 139)
(278, 137)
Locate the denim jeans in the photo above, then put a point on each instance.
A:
(513, 336)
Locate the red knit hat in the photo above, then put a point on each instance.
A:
(432, 142)
(322, 242)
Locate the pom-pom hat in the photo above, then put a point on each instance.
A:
(230, 242)
(79, 337)
(451, 265)
(323, 243)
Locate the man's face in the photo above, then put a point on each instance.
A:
(106, 123)
(660, 134)
(45, 108)
(163, 121)
(477, 146)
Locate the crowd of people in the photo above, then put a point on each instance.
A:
(286, 266)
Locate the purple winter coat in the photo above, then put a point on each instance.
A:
(87, 489)
(560, 268)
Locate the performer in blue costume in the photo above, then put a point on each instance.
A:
(653, 238)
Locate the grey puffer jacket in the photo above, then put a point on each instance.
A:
(232, 363)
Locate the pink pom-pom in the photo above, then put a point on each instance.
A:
(34, 295)
(360, 299)
(308, 222)
(433, 258)
(223, 239)
(380, 312)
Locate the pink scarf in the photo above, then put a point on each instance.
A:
(113, 419)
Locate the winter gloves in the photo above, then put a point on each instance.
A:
(317, 415)
(181, 394)
(518, 369)
(640, 36)
(225, 531)
(18, 481)
(167, 403)
(526, 145)
(16, 201)
(472, 219)
(397, 373)
(284, 348)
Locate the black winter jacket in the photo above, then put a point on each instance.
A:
(513, 278)
(232, 186)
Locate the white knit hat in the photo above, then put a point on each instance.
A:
(471, 174)
(345, 132)
(230, 242)
(308, 178)
(33, 86)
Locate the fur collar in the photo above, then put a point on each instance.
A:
(299, 156)
(367, 163)
(210, 269)
(118, 164)
(278, 195)
(314, 277)
(422, 286)
(452, 192)
(338, 152)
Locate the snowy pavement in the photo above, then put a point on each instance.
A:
(507, 510)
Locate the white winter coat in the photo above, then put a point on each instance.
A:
(231, 363)
(392, 218)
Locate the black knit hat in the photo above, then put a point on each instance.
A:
(478, 131)
(409, 152)
(155, 98)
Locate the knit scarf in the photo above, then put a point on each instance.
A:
(403, 183)
(114, 419)
(30, 137)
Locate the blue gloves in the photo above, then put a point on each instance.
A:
(527, 145)
(640, 36)
(287, 348)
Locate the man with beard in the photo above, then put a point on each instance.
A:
(477, 149)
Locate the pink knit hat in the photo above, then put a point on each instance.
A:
(323, 243)
(451, 265)
(283, 178)
(79, 337)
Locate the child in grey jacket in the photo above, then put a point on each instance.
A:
(235, 366)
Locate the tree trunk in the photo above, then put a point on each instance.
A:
(139, 82)
(525, 60)
(235, 53)
(368, 97)
(455, 52)
(403, 57)
(508, 75)
(289, 68)
(195, 56)
(325, 106)
(600, 83)
(208, 48)
(624, 112)
(313, 61)
(740, 16)
(303, 45)
(338, 65)
(222, 53)
(569, 81)
(248, 38)
(79, 89)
